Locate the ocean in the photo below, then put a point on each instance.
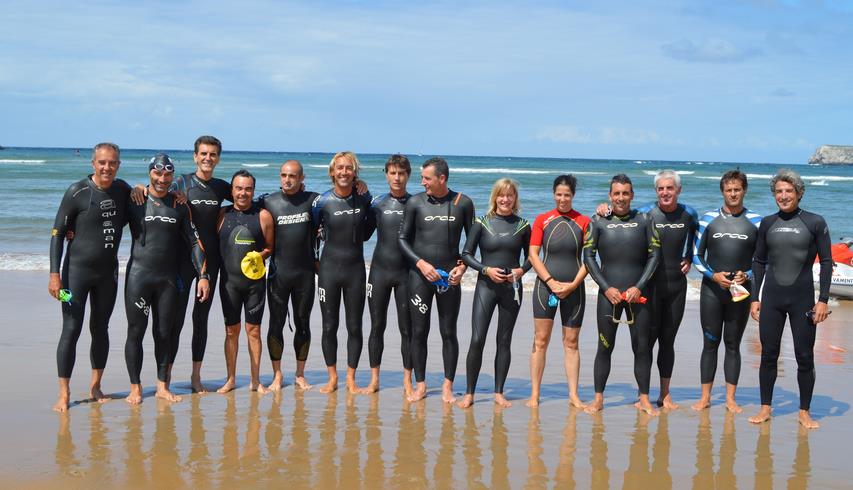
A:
(34, 180)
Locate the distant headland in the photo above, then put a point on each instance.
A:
(832, 155)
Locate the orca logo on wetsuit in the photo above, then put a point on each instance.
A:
(737, 236)
(391, 211)
(292, 219)
(164, 219)
(669, 225)
(623, 225)
(205, 201)
(440, 218)
(348, 211)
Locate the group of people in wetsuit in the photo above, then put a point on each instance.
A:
(639, 259)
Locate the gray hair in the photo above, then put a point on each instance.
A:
(791, 177)
(668, 174)
(111, 146)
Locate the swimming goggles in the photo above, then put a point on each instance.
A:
(443, 282)
(65, 296)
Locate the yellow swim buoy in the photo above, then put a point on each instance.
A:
(253, 265)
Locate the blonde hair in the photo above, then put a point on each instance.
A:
(502, 185)
(350, 156)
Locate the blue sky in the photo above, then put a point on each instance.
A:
(760, 80)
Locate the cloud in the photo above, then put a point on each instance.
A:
(605, 135)
(712, 50)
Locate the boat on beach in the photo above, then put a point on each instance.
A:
(842, 271)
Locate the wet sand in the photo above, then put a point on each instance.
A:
(315, 440)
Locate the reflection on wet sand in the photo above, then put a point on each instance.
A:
(537, 472)
(134, 462)
(564, 477)
(411, 434)
(442, 473)
(643, 473)
(598, 453)
(500, 442)
(198, 458)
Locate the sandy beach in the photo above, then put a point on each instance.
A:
(314, 440)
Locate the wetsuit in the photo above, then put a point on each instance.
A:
(388, 270)
(90, 269)
(501, 240)
(560, 237)
(431, 230)
(291, 271)
(668, 287)
(784, 253)
(158, 227)
(204, 198)
(344, 224)
(239, 234)
(724, 242)
(629, 249)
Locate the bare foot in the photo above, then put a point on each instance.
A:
(352, 388)
(501, 400)
(257, 386)
(417, 395)
(646, 406)
(62, 402)
(330, 387)
(533, 402)
(576, 402)
(667, 403)
(447, 392)
(370, 389)
(702, 404)
(97, 395)
(762, 416)
(407, 384)
(135, 396)
(466, 402)
(228, 386)
(733, 407)
(195, 384)
(807, 421)
(301, 383)
(276, 383)
(594, 406)
(164, 394)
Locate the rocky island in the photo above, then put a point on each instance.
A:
(832, 155)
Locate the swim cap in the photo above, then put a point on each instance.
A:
(252, 265)
(161, 161)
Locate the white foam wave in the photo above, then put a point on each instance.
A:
(474, 170)
(21, 161)
(679, 172)
(586, 173)
(820, 183)
(24, 262)
(253, 165)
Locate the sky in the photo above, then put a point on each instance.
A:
(740, 81)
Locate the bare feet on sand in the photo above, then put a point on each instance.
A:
(135, 396)
(418, 393)
(762, 416)
(702, 404)
(807, 421)
(257, 386)
(667, 403)
(575, 401)
(447, 392)
(733, 407)
(370, 389)
(501, 401)
(276, 383)
(96, 395)
(646, 406)
(62, 402)
(533, 402)
(195, 384)
(228, 386)
(352, 388)
(595, 406)
(330, 387)
(301, 383)
(164, 393)
(466, 402)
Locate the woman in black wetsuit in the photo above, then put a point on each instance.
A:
(502, 236)
(788, 242)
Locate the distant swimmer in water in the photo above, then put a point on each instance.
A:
(158, 226)
(558, 236)
(95, 209)
(433, 222)
(627, 244)
(788, 242)
(502, 237)
(724, 245)
(389, 273)
(246, 240)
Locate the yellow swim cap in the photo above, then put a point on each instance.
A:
(253, 265)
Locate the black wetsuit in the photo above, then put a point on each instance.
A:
(388, 271)
(560, 237)
(724, 242)
(158, 227)
(344, 221)
(239, 234)
(784, 254)
(204, 197)
(629, 250)
(501, 240)
(668, 291)
(291, 272)
(90, 268)
(431, 230)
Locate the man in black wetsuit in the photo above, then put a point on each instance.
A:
(246, 236)
(788, 242)
(342, 215)
(723, 249)
(292, 269)
(158, 226)
(628, 246)
(388, 271)
(432, 227)
(205, 193)
(94, 208)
